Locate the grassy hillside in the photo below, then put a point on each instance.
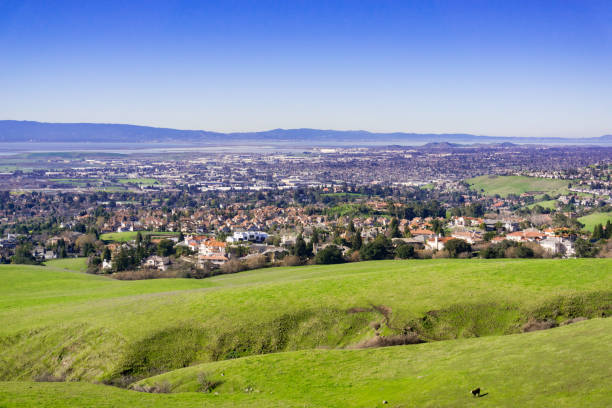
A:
(591, 220)
(514, 371)
(70, 264)
(563, 367)
(139, 181)
(504, 185)
(550, 204)
(130, 235)
(81, 327)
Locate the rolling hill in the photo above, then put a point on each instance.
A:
(295, 336)
(31, 131)
(595, 218)
(504, 185)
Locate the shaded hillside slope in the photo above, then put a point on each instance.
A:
(563, 367)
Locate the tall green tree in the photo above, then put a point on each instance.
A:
(394, 231)
(329, 255)
(584, 249)
(165, 247)
(437, 226)
(299, 249)
(455, 246)
(23, 255)
(356, 241)
(379, 248)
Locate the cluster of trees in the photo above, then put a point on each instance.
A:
(601, 232)
(585, 249)
(413, 209)
(472, 210)
(563, 221)
(331, 254)
(130, 257)
(23, 255)
(507, 249)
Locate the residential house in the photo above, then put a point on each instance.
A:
(437, 244)
(157, 262)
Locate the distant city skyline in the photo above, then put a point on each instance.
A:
(521, 68)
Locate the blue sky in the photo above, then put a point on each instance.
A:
(532, 68)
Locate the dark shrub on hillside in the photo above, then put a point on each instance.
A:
(405, 251)
(585, 249)
(380, 248)
(329, 255)
(165, 247)
(206, 384)
(507, 249)
(519, 251)
(455, 246)
(23, 255)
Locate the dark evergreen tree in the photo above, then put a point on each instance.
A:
(356, 241)
(394, 231)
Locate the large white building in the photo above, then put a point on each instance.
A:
(247, 236)
(558, 245)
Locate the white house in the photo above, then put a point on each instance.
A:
(212, 247)
(107, 264)
(247, 236)
(558, 245)
(157, 262)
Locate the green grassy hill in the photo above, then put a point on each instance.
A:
(591, 220)
(550, 204)
(73, 326)
(70, 264)
(563, 367)
(504, 185)
(126, 236)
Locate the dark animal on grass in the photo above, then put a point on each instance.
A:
(475, 392)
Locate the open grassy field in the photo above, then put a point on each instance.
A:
(504, 185)
(139, 181)
(591, 220)
(550, 204)
(130, 235)
(68, 325)
(71, 264)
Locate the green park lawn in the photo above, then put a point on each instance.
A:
(505, 185)
(71, 264)
(550, 204)
(591, 220)
(126, 236)
(139, 181)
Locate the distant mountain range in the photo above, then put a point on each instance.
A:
(29, 131)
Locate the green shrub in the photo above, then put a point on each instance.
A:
(329, 255)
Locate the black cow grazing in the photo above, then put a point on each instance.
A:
(475, 392)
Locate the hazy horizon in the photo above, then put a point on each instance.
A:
(301, 128)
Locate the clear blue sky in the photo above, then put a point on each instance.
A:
(525, 68)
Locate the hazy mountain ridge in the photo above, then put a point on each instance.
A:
(31, 131)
